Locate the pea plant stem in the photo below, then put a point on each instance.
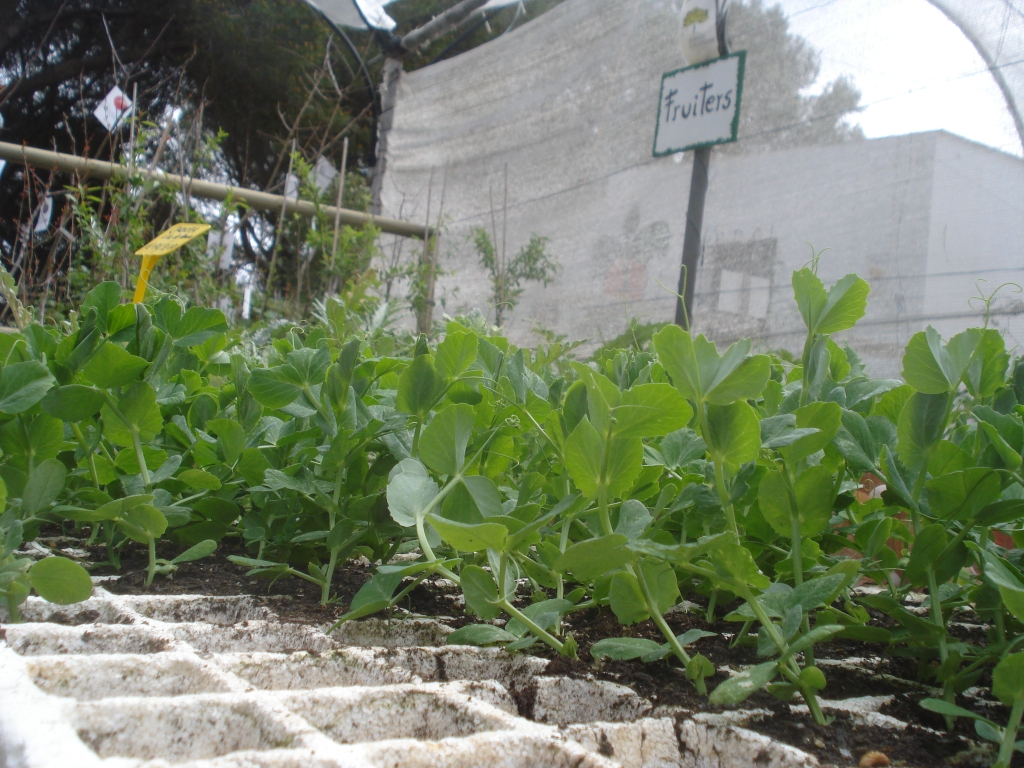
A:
(720, 489)
(1006, 748)
(151, 569)
(666, 630)
(134, 432)
(77, 430)
(787, 664)
(796, 538)
(531, 625)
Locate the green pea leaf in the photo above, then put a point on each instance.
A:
(230, 436)
(443, 442)
(815, 592)
(199, 480)
(650, 410)
(739, 687)
(138, 405)
(374, 595)
(928, 545)
(142, 523)
(986, 372)
(484, 494)
(252, 465)
(681, 447)
(22, 385)
(591, 558)
(273, 387)
(921, 425)
(196, 326)
(702, 375)
(934, 369)
(626, 599)
(585, 459)
(623, 648)
(962, 495)
(583, 453)
(202, 549)
(734, 433)
(836, 310)
(113, 367)
(480, 592)
(456, 353)
(418, 386)
(128, 462)
(945, 708)
(410, 490)
(1008, 679)
(105, 297)
(781, 431)
(44, 485)
(662, 582)
(112, 510)
(948, 457)
(73, 403)
(826, 418)
(734, 562)
(60, 581)
(814, 491)
(470, 538)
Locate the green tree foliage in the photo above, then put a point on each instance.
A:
(776, 113)
(532, 264)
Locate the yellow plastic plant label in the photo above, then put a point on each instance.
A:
(172, 239)
(167, 242)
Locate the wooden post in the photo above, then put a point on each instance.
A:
(337, 215)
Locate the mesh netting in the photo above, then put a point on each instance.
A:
(548, 130)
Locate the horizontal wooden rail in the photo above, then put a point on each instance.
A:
(100, 169)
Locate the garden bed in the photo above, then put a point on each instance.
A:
(873, 698)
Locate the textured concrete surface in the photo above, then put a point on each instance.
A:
(221, 682)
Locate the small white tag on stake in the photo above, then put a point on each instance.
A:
(325, 174)
(221, 244)
(246, 302)
(45, 215)
(291, 187)
(113, 109)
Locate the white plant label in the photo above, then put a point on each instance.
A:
(324, 174)
(45, 215)
(699, 106)
(113, 109)
(291, 186)
(222, 245)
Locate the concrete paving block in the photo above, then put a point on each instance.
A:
(193, 681)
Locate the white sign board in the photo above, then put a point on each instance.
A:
(699, 106)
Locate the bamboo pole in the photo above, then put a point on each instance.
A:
(99, 169)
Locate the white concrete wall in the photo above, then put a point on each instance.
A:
(977, 231)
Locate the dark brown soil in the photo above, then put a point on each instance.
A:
(216, 575)
(842, 743)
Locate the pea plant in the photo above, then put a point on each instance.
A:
(799, 496)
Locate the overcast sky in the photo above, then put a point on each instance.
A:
(915, 69)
